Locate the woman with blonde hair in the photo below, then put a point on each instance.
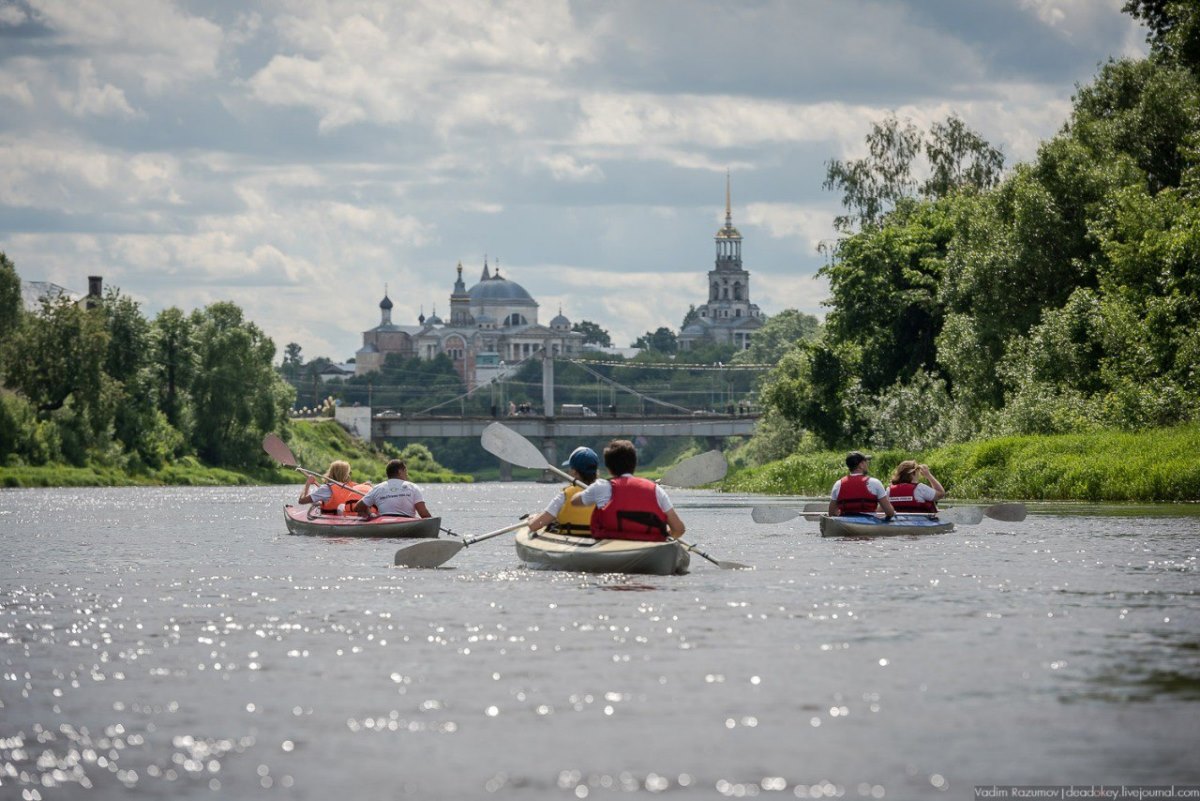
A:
(336, 491)
(909, 495)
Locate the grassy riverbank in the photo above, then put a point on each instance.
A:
(315, 445)
(1156, 465)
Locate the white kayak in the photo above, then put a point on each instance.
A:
(549, 551)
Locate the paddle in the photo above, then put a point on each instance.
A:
(959, 515)
(278, 450)
(434, 553)
(504, 443)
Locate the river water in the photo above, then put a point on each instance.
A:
(178, 643)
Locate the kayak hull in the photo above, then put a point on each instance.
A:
(549, 551)
(866, 525)
(338, 525)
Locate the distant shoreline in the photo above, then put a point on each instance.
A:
(1157, 465)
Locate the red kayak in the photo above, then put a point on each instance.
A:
(309, 520)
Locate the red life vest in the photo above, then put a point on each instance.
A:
(632, 514)
(904, 499)
(342, 495)
(854, 497)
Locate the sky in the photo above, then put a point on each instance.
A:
(296, 157)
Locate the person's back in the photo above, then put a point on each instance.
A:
(629, 507)
(396, 496)
(569, 518)
(859, 493)
(908, 495)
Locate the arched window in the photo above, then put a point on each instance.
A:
(737, 291)
(515, 319)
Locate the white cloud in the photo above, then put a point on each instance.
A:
(150, 41)
(469, 62)
(12, 15)
(89, 98)
(565, 167)
(811, 224)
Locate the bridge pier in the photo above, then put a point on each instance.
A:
(505, 471)
(550, 451)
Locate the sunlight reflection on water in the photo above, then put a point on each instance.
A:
(178, 641)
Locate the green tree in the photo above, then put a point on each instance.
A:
(812, 389)
(59, 352)
(662, 340)
(238, 395)
(871, 186)
(779, 334)
(959, 159)
(1174, 29)
(292, 361)
(885, 285)
(173, 366)
(593, 333)
(11, 308)
(10, 297)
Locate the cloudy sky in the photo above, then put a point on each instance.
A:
(294, 156)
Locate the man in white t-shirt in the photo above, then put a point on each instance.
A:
(397, 496)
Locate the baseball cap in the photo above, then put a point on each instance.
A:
(583, 461)
(855, 458)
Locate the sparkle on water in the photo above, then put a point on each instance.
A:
(177, 641)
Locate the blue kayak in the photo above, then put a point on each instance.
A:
(868, 525)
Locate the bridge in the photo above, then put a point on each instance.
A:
(549, 428)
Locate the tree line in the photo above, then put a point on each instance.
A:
(1059, 296)
(98, 382)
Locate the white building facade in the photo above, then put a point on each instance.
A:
(492, 326)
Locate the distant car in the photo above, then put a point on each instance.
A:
(576, 410)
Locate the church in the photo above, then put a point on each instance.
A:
(728, 318)
(492, 326)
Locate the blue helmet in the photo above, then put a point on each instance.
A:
(583, 461)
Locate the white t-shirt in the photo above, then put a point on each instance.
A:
(321, 493)
(556, 504)
(924, 493)
(600, 493)
(395, 497)
(874, 486)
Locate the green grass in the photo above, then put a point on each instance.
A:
(1155, 465)
(314, 445)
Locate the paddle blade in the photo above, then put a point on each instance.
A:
(717, 562)
(1007, 512)
(430, 553)
(278, 450)
(707, 468)
(773, 514)
(961, 515)
(506, 444)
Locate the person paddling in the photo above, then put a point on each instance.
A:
(397, 497)
(628, 507)
(567, 517)
(908, 495)
(859, 493)
(330, 495)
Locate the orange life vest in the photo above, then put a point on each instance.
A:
(342, 495)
